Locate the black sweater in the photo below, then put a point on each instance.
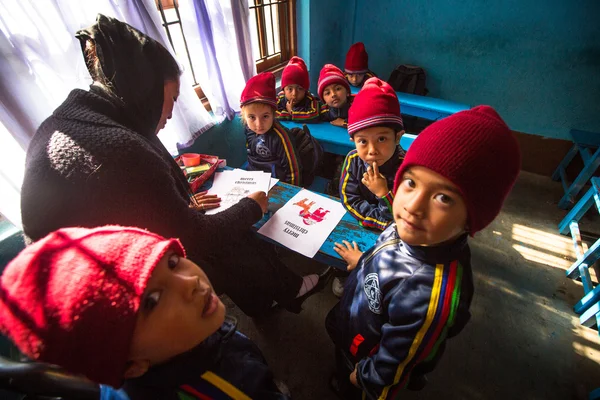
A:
(85, 167)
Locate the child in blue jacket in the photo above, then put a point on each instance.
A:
(356, 67)
(124, 308)
(334, 92)
(295, 102)
(412, 291)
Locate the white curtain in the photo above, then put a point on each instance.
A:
(218, 37)
(41, 62)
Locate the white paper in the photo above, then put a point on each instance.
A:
(232, 186)
(273, 183)
(304, 222)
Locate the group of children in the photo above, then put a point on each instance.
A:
(124, 307)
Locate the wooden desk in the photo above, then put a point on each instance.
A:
(335, 139)
(425, 107)
(347, 229)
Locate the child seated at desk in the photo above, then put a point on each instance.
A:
(295, 102)
(357, 65)
(334, 91)
(124, 307)
(292, 156)
(412, 290)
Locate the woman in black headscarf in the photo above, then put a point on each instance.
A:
(97, 160)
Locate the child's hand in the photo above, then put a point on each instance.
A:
(261, 198)
(349, 252)
(205, 201)
(338, 122)
(374, 181)
(289, 105)
(353, 377)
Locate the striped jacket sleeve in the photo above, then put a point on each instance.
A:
(289, 164)
(282, 112)
(419, 315)
(305, 114)
(375, 216)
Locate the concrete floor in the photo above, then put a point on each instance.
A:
(523, 341)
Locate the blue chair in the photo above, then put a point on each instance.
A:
(583, 143)
(589, 305)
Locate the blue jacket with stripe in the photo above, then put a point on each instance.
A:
(361, 203)
(399, 306)
(274, 152)
(225, 366)
(306, 111)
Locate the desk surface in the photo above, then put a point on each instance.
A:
(347, 229)
(425, 107)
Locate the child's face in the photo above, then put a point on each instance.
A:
(355, 79)
(428, 208)
(335, 95)
(259, 117)
(376, 144)
(179, 309)
(295, 93)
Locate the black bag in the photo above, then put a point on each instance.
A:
(310, 153)
(409, 79)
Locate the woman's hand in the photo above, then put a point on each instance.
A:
(205, 201)
(349, 252)
(375, 181)
(338, 122)
(261, 198)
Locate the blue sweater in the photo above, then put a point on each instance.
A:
(400, 305)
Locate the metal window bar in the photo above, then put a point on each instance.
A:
(282, 39)
(177, 21)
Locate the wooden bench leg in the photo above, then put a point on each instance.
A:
(565, 162)
(586, 173)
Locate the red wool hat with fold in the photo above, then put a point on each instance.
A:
(295, 73)
(357, 59)
(375, 105)
(260, 89)
(477, 152)
(329, 75)
(71, 298)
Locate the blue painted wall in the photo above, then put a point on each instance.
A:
(537, 62)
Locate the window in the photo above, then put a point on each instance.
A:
(275, 42)
(169, 12)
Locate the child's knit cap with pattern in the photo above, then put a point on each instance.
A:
(375, 105)
(295, 73)
(477, 152)
(260, 89)
(71, 298)
(357, 59)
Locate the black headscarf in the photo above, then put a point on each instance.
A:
(133, 69)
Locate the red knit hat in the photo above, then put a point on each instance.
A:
(376, 104)
(260, 89)
(476, 151)
(357, 59)
(71, 298)
(295, 73)
(329, 75)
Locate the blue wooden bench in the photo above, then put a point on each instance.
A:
(583, 143)
(335, 139)
(425, 107)
(589, 305)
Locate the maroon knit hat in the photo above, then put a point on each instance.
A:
(71, 298)
(475, 150)
(329, 75)
(376, 104)
(260, 89)
(295, 73)
(357, 59)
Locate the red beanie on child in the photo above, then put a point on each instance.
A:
(329, 75)
(71, 298)
(476, 151)
(376, 104)
(260, 89)
(357, 59)
(295, 73)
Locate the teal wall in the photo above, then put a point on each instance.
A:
(537, 62)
